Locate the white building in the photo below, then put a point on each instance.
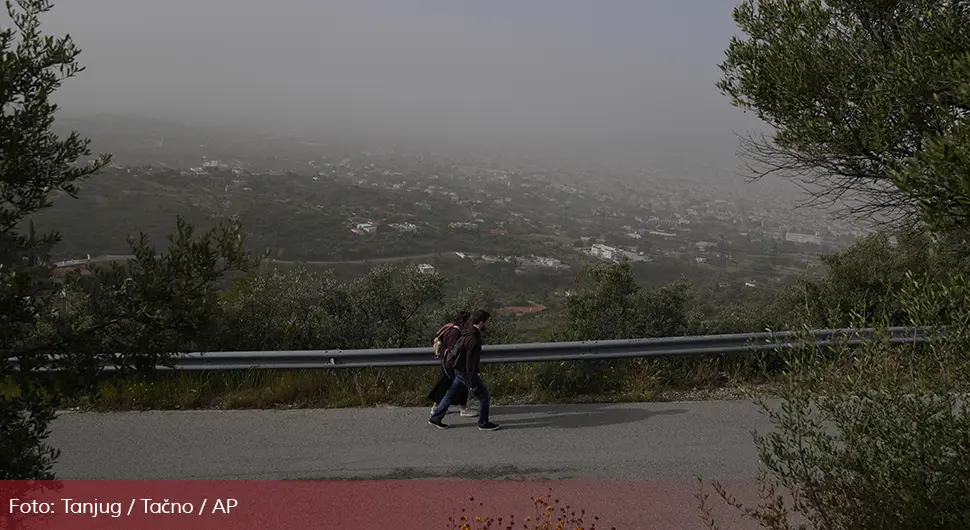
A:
(215, 164)
(548, 262)
(405, 227)
(795, 237)
(366, 227)
(426, 268)
(605, 252)
(72, 262)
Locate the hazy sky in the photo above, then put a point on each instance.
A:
(623, 77)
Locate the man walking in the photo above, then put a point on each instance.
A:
(464, 361)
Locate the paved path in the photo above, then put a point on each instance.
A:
(623, 441)
(655, 449)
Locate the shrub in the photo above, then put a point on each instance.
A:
(874, 437)
(609, 304)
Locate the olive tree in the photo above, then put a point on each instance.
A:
(937, 178)
(389, 307)
(875, 436)
(852, 90)
(57, 335)
(868, 103)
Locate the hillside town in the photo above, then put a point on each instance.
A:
(675, 219)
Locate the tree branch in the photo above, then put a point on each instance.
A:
(52, 344)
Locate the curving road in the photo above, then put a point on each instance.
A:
(655, 449)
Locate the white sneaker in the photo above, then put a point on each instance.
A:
(450, 410)
(468, 413)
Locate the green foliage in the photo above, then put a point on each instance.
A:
(282, 311)
(304, 310)
(34, 164)
(56, 337)
(133, 316)
(938, 177)
(866, 278)
(875, 437)
(387, 299)
(662, 312)
(849, 88)
(861, 284)
(864, 282)
(501, 329)
(389, 307)
(25, 453)
(609, 304)
(300, 310)
(744, 310)
(868, 98)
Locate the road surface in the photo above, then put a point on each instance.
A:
(119, 257)
(622, 441)
(654, 450)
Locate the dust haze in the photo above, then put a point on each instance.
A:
(624, 82)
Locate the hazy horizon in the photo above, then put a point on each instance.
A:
(624, 82)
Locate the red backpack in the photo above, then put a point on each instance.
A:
(438, 344)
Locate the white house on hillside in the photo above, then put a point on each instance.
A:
(367, 227)
(605, 252)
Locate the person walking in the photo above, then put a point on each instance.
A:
(463, 360)
(444, 341)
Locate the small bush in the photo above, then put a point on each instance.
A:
(877, 436)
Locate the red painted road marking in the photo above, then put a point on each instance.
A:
(402, 504)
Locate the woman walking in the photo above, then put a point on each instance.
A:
(445, 340)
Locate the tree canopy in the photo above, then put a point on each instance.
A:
(855, 91)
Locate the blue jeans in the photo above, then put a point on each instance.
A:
(478, 388)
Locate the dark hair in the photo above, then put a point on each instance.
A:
(479, 316)
(461, 318)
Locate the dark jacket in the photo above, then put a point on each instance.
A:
(469, 352)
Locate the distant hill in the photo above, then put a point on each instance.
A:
(135, 140)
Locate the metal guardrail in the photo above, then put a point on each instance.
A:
(705, 345)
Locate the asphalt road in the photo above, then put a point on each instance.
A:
(124, 257)
(619, 441)
(632, 464)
